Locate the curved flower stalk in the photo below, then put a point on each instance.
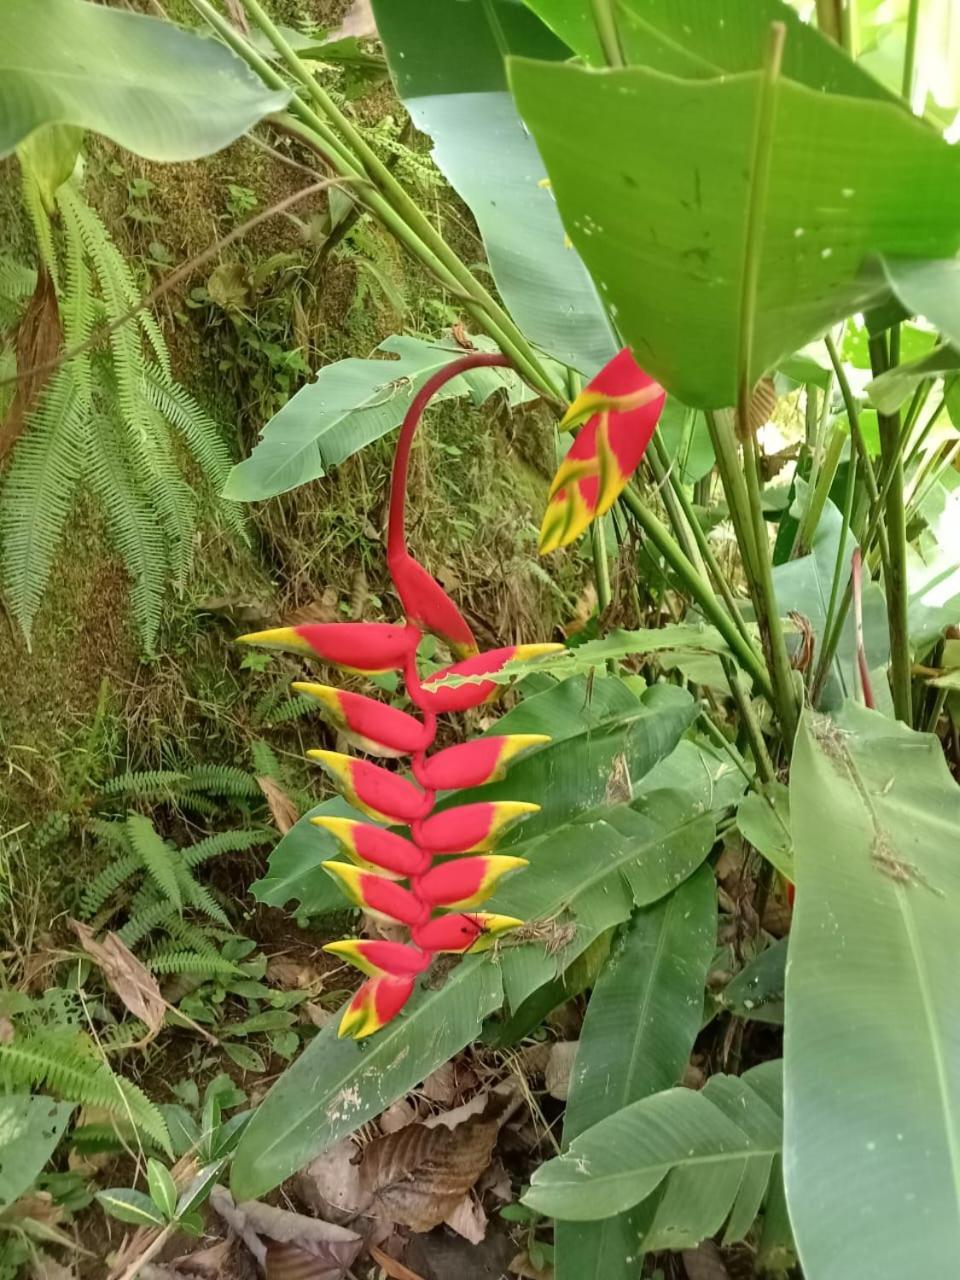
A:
(619, 409)
(397, 878)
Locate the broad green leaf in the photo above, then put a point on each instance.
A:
(871, 1085)
(888, 392)
(933, 566)
(336, 1085)
(30, 1128)
(588, 876)
(163, 1189)
(701, 39)
(684, 435)
(348, 405)
(691, 637)
(929, 289)
(447, 64)
(690, 1136)
(294, 872)
(200, 1187)
(641, 1022)
(49, 155)
(764, 820)
(706, 775)
(661, 222)
(131, 1206)
(804, 586)
(757, 990)
(157, 90)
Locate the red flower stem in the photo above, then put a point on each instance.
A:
(856, 575)
(396, 538)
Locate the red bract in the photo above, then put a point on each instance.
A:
(381, 860)
(619, 409)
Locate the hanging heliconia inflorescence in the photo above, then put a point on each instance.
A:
(398, 878)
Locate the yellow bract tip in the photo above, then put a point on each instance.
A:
(277, 638)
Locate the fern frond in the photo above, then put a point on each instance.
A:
(107, 881)
(17, 283)
(40, 219)
(265, 762)
(39, 489)
(67, 1067)
(222, 780)
(145, 784)
(109, 831)
(157, 857)
(291, 707)
(198, 895)
(167, 962)
(198, 429)
(144, 921)
(223, 842)
(191, 937)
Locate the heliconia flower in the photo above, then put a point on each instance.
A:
(465, 882)
(470, 828)
(375, 957)
(427, 604)
(366, 648)
(374, 790)
(620, 408)
(464, 696)
(471, 764)
(376, 1002)
(373, 848)
(371, 725)
(458, 933)
(379, 895)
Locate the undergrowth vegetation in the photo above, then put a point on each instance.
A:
(609, 724)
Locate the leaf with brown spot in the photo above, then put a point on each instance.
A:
(38, 340)
(282, 809)
(135, 985)
(418, 1175)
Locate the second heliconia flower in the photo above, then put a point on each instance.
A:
(619, 409)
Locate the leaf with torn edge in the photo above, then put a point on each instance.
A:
(126, 976)
(419, 1175)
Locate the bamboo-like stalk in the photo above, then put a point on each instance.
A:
(891, 446)
(818, 499)
(749, 721)
(764, 596)
(699, 590)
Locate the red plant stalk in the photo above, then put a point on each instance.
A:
(400, 879)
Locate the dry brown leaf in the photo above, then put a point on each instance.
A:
(336, 1247)
(468, 1219)
(127, 977)
(291, 1262)
(317, 1015)
(762, 404)
(332, 1180)
(38, 340)
(441, 1085)
(522, 1266)
(43, 1267)
(559, 1068)
(417, 1176)
(282, 809)
(394, 1269)
(326, 609)
(397, 1116)
(6, 1031)
(359, 21)
(704, 1263)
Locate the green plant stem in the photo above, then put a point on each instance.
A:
(734, 487)
(764, 596)
(512, 339)
(840, 562)
(601, 568)
(910, 50)
(712, 570)
(668, 489)
(936, 710)
(818, 499)
(699, 589)
(891, 445)
(720, 738)
(749, 721)
(607, 33)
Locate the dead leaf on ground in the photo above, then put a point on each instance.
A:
(468, 1219)
(523, 1267)
(6, 1031)
(559, 1068)
(282, 809)
(326, 609)
(332, 1180)
(127, 977)
(394, 1269)
(335, 1247)
(704, 1263)
(417, 1176)
(292, 975)
(39, 336)
(43, 1267)
(397, 1116)
(440, 1086)
(291, 1262)
(359, 21)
